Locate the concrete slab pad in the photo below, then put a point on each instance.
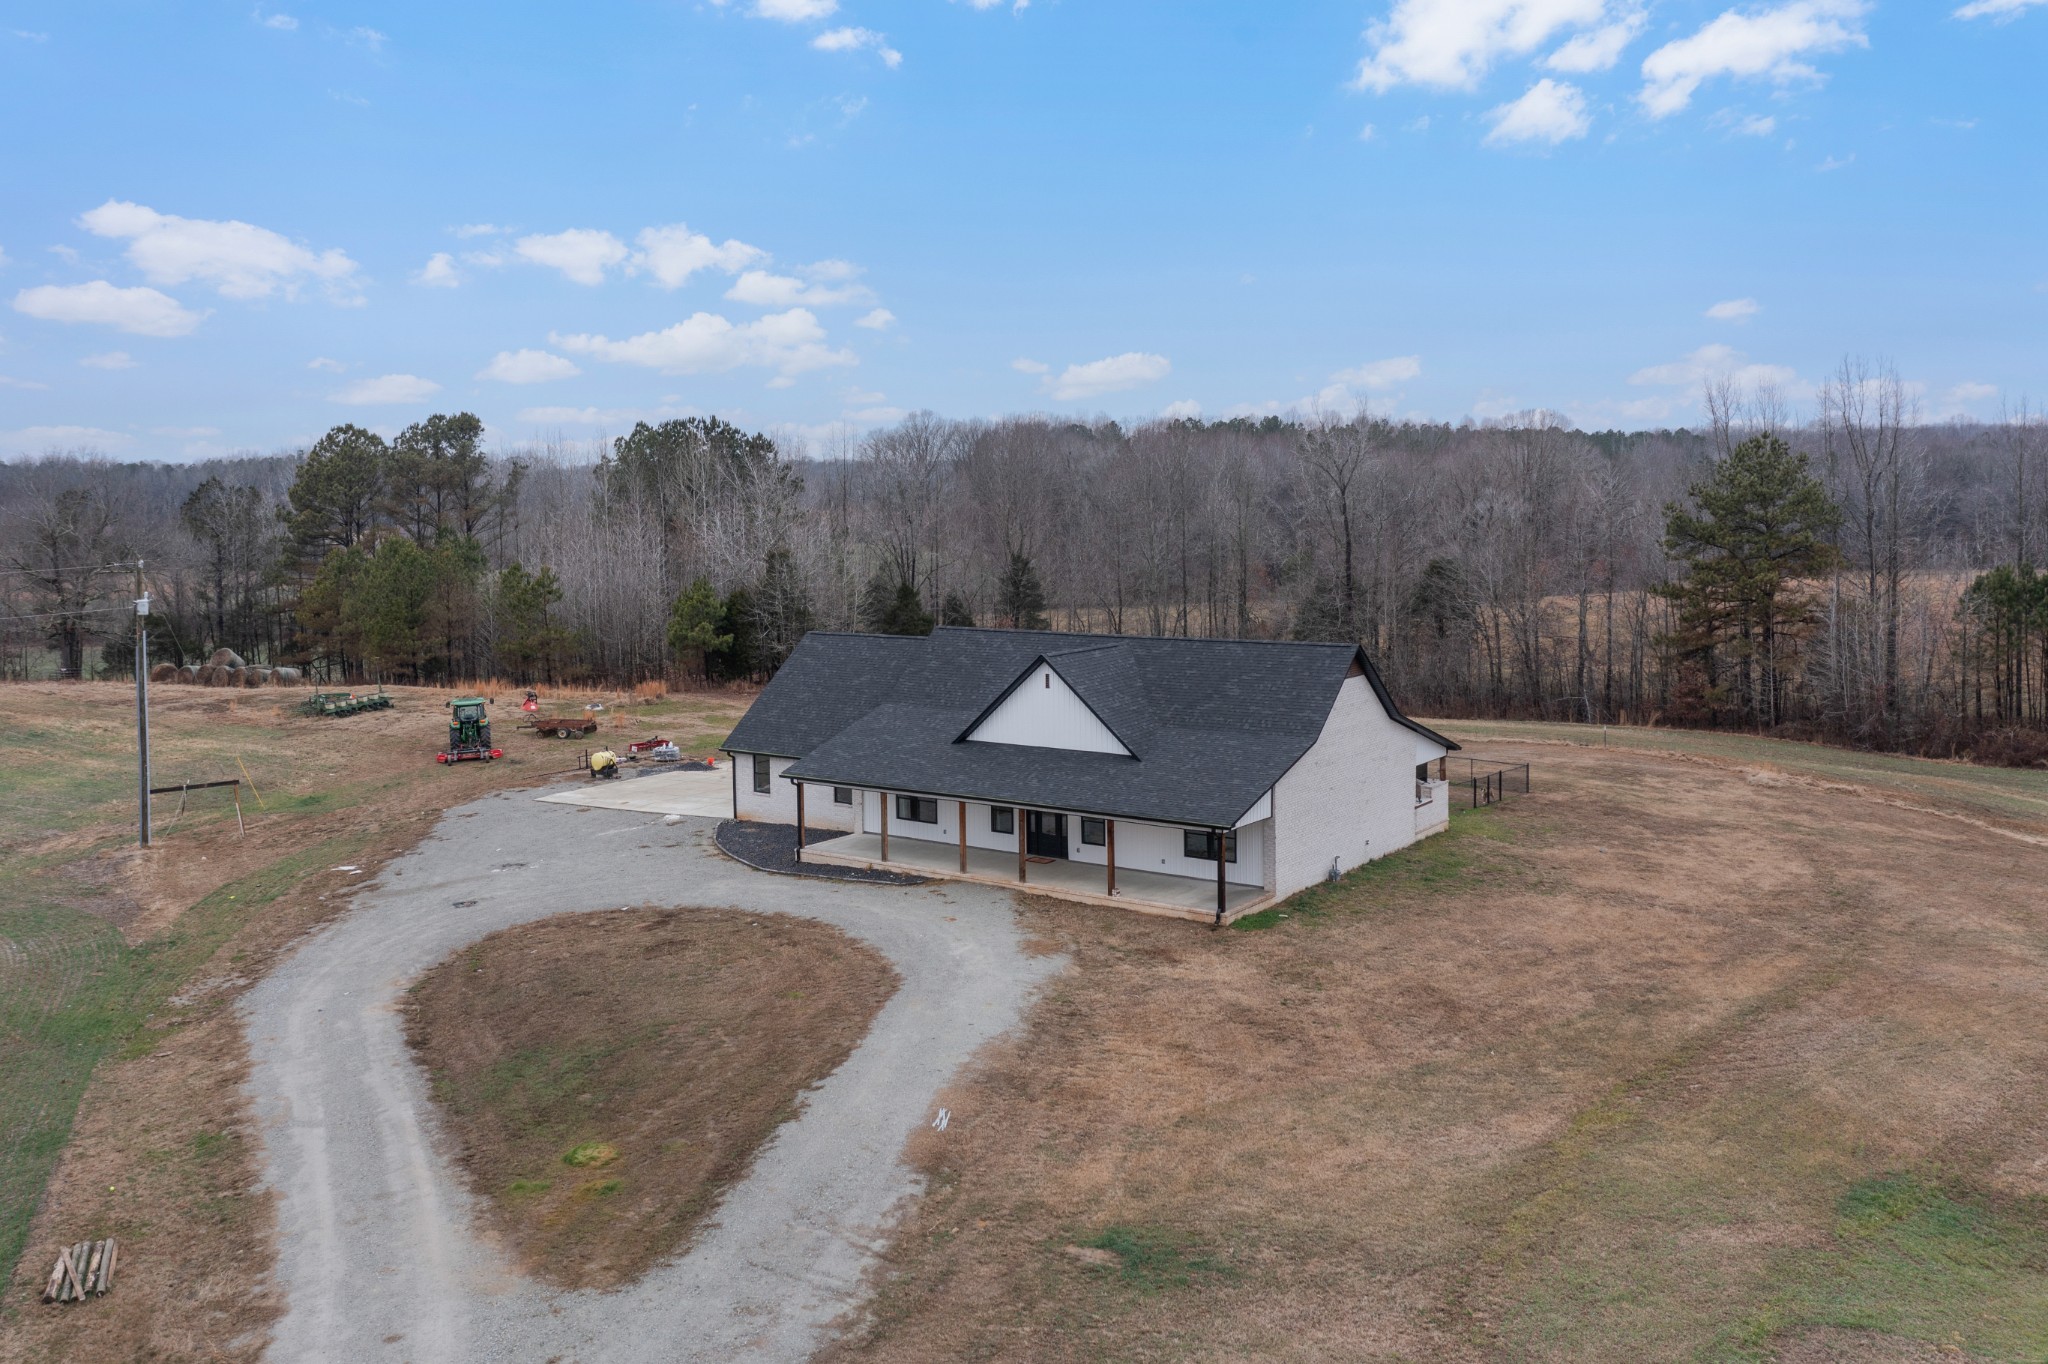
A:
(661, 793)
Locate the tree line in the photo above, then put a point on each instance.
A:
(1855, 575)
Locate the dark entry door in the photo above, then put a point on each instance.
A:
(1045, 833)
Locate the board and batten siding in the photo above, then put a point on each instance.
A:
(1351, 797)
(1044, 712)
(1139, 846)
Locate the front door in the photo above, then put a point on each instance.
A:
(1045, 833)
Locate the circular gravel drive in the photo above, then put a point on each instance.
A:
(380, 1256)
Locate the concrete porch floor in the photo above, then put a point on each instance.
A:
(1147, 892)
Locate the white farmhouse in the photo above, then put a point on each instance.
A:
(1205, 778)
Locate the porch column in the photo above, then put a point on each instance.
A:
(1111, 824)
(885, 825)
(1219, 878)
(799, 821)
(1017, 816)
(1443, 764)
(963, 838)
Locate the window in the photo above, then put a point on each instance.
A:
(917, 809)
(1422, 771)
(1094, 832)
(761, 773)
(1002, 819)
(842, 795)
(1202, 844)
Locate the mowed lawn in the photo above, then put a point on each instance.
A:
(119, 969)
(1729, 1056)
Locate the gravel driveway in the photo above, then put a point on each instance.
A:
(381, 1255)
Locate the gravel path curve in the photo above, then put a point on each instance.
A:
(381, 1255)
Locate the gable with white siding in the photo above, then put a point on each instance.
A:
(1042, 711)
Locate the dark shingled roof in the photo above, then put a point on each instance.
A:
(1211, 723)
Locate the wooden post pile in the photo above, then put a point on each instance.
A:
(87, 1267)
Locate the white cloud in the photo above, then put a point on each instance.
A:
(602, 416)
(62, 438)
(1114, 374)
(368, 37)
(1024, 366)
(1551, 111)
(282, 22)
(3, 258)
(1756, 125)
(9, 381)
(854, 40)
(581, 253)
(880, 320)
(468, 230)
(1455, 42)
(1999, 11)
(1365, 134)
(1380, 375)
(674, 253)
(438, 272)
(528, 367)
(766, 290)
(1971, 391)
(322, 362)
(1599, 49)
(794, 11)
(113, 359)
(1834, 163)
(387, 389)
(789, 343)
(240, 260)
(1186, 410)
(1767, 43)
(1733, 310)
(1714, 362)
(143, 312)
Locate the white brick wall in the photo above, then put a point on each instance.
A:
(1351, 797)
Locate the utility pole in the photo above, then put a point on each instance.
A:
(141, 706)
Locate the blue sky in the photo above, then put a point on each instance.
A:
(231, 228)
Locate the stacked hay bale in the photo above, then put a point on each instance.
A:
(226, 668)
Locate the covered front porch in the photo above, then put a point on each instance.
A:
(1181, 897)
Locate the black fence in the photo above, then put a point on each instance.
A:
(1491, 783)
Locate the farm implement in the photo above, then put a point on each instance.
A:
(469, 732)
(344, 702)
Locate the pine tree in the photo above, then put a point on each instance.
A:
(1023, 595)
(955, 611)
(1757, 532)
(697, 626)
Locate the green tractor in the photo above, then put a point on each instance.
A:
(469, 732)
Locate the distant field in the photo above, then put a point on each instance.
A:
(118, 970)
(2002, 793)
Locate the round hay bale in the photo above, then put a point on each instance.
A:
(163, 672)
(226, 658)
(214, 675)
(189, 673)
(284, 677)
(255, 676)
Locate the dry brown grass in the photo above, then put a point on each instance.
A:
(601, 1130)
(1602, 1075)
(161, 1151)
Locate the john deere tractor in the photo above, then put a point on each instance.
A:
(469, 732)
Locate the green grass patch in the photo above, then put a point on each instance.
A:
(590, 1153)
(1152, 1259)
(1441, 861)
(1913, 1258)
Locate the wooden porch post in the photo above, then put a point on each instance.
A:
(1112, 855)
(799, 821)
(1443, 764)
(885, 825)
(1017, 812)
(963, 838)
(1219, 878)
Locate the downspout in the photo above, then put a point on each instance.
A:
(1218, 835)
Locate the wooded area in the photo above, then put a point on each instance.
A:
(1856, 576)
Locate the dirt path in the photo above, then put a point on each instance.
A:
(381, 1257)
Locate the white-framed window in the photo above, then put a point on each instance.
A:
(761, 773)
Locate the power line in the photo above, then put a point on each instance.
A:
(73, 568)
(63, 615)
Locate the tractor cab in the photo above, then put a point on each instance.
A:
(469, 732)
